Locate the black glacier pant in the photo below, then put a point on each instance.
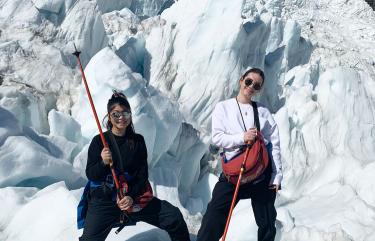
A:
(262, 201)
(101, 216)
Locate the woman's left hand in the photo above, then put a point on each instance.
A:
(125, 203)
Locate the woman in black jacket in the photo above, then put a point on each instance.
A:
(105, 209)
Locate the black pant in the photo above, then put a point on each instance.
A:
(262, 201)
(101, 216)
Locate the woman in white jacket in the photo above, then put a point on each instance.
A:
(233, 126)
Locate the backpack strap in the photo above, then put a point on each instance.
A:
(256, 114)
(116, 149)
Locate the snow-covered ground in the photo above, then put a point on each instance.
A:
(175, 61)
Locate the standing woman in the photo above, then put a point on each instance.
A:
(105, 209)
(233, 125)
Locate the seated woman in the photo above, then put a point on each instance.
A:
(105, 209)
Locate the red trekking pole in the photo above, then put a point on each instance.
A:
(120, 191)
(236, 192)
(77, 53)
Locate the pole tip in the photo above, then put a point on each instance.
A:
(76, 52)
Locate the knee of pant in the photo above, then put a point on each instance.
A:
(178, 215)
(268, 229)
(175, 219)
(265, 224)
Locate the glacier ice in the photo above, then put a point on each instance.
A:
(175, 60)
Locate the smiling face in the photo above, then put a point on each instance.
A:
(250, 84)
(120, 117)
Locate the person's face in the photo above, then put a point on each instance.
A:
(251, 84)
(120, 117)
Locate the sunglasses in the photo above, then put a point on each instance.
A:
(117, 115)
(249, 82)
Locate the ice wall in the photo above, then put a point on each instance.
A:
(320, 71)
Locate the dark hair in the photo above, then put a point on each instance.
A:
(120, 99)
(254, 70)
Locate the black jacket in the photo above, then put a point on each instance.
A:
(134, 161)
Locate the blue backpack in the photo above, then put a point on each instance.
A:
(82, 207)
(84, 202)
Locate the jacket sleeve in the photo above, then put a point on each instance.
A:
(95, 168)
(219, 135)
(140, 176)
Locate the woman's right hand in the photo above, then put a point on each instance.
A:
(125, 203)
(250, 135)
(106, 156)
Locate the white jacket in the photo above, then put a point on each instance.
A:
(228, 131)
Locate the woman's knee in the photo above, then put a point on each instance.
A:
(176, 215)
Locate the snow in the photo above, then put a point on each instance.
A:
(50, 6)
(149, 8)
(30, 159)
(56, 195)
(175, 60)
